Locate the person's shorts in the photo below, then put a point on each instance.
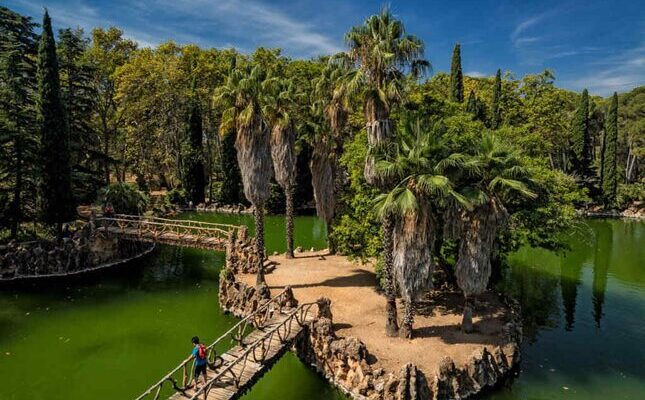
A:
(200, 369)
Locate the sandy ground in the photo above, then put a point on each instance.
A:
(359, 310)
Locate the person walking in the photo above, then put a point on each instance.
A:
(200, 354)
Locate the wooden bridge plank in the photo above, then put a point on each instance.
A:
(225, 388)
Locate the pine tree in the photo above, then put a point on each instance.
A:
(456, 76)
(79, 98)
(609, 178)
(18, 136)
(55, 191)
(496, 110)
(581, 135)
(194, 179)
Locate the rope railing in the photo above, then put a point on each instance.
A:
(169, 220)
(263, 344)
(236, 333)
(162, 229)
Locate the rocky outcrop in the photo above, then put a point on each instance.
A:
(239, 298)
(241, 256)
(635, 210)
(344, 362)
(84, 250)
(224, 208)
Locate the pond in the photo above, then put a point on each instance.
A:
(110, 335)
(113, 334)
(583, 316)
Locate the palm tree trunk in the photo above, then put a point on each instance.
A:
(408, 320)
(331, 245)
(467, 320)
(258, 214)
(391, 324)
(289, 205)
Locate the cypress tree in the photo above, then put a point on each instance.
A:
(609, 178)
(55, 189)
(581, 135)
(194, 180)
(456, 76)
(496, 110)
(471, 105)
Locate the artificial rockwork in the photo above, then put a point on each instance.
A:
(345, 361)
(86, 249)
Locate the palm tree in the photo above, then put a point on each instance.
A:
(242, 96)
(330, 108)
(495, 177)
(419, 165)
(382, 52)
(279, 110)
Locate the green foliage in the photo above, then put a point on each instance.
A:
(79, 98)
(496, 107)
(456, 76)
(581, 134)
(276, 202)
(609, 173)
(177, 196)
(230, 191)
(56, 190)
(108, 51)
(357, 231)
(631, 133)
(19, 142)
(629, 193)
(126, 198)
(193, 157)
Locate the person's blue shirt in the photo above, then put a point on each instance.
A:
(198, 361)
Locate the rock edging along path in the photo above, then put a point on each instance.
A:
(41, 260)
(347, 363)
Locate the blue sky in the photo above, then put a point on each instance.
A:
(595, 44)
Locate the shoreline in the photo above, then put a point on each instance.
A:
(337, 348)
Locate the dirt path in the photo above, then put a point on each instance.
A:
(359, 310)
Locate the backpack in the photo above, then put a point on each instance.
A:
(201, 352)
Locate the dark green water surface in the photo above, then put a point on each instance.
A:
(584, 316)
(111, 334)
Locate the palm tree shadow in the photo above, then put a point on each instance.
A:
(488, 310)
(302, 255)
(358, 278)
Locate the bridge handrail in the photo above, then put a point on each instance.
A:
(174, 225)
(138, 224)
(187, 221)
(168, 376)
(251, 348)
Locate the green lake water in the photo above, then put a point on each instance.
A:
(111, 334)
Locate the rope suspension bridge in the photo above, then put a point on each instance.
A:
(203, 235)
(261, 338)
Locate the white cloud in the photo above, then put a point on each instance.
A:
(241, 24)
(475, 74)
(262, 22)
(620, 73)
(517, 37)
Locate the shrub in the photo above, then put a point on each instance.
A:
(629, 193)
(124, 197)
(177, 196)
